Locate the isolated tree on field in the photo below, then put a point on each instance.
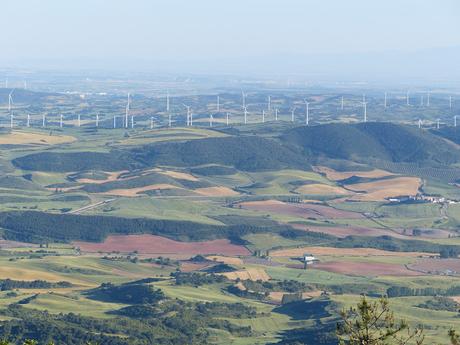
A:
(373, 323)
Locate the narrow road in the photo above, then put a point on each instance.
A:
(91, 206)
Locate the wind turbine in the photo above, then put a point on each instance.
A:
(276, 114)
(10, 100)
(292, 114)
(419, 123)
(114, 121)
(245, 114)
(191, 118)
(79, 121)
(11, 120)
(227, 118)
(455, 121)
(218, 104)
(307, 112)
(188, 114)
(365, 111)
(28, 120)
(263, 115)
(151, 122)
(60, 121)
(43, 120)
(385, 101)
(167, 100)
(127, 111)
(437, 124)
(169, 120)
(211, 118)
(244, 98)
(407, 98)
(132, 121)
(97, 120)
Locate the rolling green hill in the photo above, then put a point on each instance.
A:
(374, 140)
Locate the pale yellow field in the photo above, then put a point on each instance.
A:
(333, 175)
(178, 175)
(226, 260)
(216, 191)
(132, 192)
(321, 189)
(24, 138)
(383, 189)
(248, 274)
(112, 176)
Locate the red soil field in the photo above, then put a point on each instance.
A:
(365, 268)
(344, 231)
(437, 266)
(301, 210)
(151, 244)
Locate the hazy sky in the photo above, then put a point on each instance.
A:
(116, 30)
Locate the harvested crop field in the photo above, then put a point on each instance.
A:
(132, 192)
(249, 274)
(322, 189)
(344, 231)
(178, 175)
(157, 245)
(216, 191)
(29, 138)
(365, 268)
(188, 266)
(300, 210)
(111, 176)
(334, 175)
(331, 251)
(14, 244)
(384, 189)
(226, 260)
(437, 266)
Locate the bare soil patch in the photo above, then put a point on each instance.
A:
(300, 210)
(437, 266)
(157, 245)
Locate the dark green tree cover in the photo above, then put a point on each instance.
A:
(289, 286)
(373, 140)
(381, 242)
(440, 303)
(197, 279)
(400, 291)
(39, 227)
(127, 293)
(9, 284)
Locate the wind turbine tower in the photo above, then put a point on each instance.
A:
(97, 120)
(419, 123)
(60, 121)
(365, 111)
(169, 120)
(407, 98)
(167, 100)
(43, 120)
(188, 114)
(127, 111)
(28, 120)
(132, 121)
(307, 112)
(218, 104)
(437, 124)
(292, 114)
(227, 118)
(114, 121)
(10, 100)
(455, 121)
(211, 118)
(79, 120)
(276, 114)
(245, 115)
(11, 120)
(269, 104)
(385, 101)
(151, 122)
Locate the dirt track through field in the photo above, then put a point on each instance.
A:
(365, 268)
